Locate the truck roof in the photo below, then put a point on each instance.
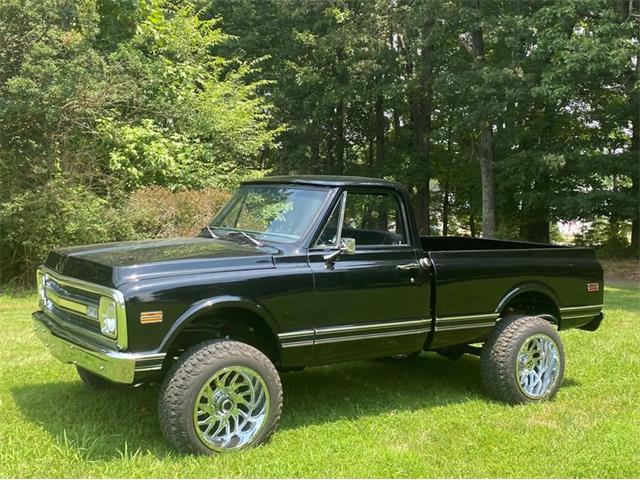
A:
(325, 181)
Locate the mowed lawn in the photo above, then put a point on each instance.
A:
(427, 417)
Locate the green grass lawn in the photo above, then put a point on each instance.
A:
(427, 417)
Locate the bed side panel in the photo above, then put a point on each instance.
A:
(471, 284)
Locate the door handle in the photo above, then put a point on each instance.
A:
(408, 267)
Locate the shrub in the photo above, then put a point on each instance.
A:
(59, 214)
(156, 212)
(63, 214)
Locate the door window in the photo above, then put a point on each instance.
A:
(372, 219)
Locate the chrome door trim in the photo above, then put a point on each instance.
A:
(574, 317)
(467, 317)
(371, 326)
(322, 341)
(314, 333)
(296, 333)
(581, 307)
(445, 328)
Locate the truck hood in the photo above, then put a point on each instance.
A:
(113, 264)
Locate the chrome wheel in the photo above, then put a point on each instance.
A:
(231, 408)
(537, 366)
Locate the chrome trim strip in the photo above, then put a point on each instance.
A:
(573, 317)
(149, 369)
(153, 356)
(369, 336)
(349, 338)
(80, 284)
(303, 343)
(582, 307)
(296, 333)
(66, 303)
(371, 326)
(351, 328)
(467, 317)
(443, 328)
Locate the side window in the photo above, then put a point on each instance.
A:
(374, 219)
(369, 218)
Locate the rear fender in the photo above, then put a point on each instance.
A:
(534, 287)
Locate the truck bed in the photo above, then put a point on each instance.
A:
(474, 281)
(471, 243)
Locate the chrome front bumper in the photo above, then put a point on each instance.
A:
(120, 367)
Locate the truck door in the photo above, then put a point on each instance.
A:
(374, 301)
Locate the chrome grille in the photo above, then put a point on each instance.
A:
(74, 305)
(71, 303)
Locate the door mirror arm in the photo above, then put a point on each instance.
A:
(347, 246)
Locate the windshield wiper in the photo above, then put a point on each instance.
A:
(213, 235)
(247, 236)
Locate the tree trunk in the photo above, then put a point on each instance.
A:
(380, 131)
(314, 160)
(445, 187)
(445, 211)
(635, 182)
(488, 183)
(472, 225)
(635, 153)
(328, 159)
(535, 231)
(422, 209)
(340, 141)
(421, 111)
(486, 146)
(314, 137)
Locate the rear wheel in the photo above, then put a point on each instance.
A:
(523, 360)
(219, 396)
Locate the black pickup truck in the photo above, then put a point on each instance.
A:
(303, 271)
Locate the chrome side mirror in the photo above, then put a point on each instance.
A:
(347, 245)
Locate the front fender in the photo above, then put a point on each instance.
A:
(211, 305)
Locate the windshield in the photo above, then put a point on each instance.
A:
(270, 212)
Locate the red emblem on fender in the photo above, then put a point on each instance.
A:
(593, 287)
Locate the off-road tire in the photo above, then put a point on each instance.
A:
(499, 356)
(93, 381)
(187, 376)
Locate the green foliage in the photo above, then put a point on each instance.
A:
(112, 96)
(64, 213)
(555, 82)
(119, 95)
(58, 214)
(156, 212)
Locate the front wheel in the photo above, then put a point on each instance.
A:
(219, 396)
(523, 361)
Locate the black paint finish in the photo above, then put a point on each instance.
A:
(361, 306)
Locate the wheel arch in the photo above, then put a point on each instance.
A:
(539, 298)
(233, 317)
